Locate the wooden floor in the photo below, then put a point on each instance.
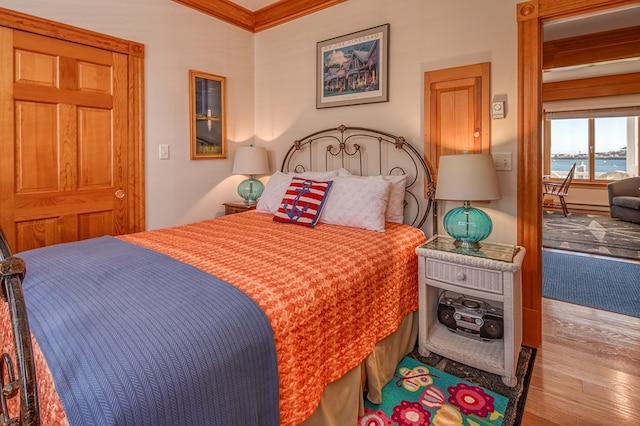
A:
(587, 371)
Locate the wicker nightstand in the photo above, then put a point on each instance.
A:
(491, 274)
(237, 207)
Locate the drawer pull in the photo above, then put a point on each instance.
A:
(461, 276)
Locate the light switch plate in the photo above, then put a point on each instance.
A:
(502, 160)
(163, 152)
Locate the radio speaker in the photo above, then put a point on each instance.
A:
(445, 316)
(492, 327)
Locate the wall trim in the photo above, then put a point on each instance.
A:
(262, 19)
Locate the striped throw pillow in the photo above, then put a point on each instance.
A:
(303, 202)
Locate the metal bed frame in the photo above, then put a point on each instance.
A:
(23, 383)
(364, 151)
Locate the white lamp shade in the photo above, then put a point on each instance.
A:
(467, 177)
(250, 160)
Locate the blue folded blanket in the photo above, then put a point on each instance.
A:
(134, 337)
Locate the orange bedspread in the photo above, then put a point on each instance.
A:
(330, 293)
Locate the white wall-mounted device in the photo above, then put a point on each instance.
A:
(498, 109)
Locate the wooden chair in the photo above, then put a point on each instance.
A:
(558, 189)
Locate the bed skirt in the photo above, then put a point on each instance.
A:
(343, 401)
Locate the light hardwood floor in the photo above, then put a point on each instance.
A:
(587, 371)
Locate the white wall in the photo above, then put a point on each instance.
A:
(176, 39)
(424, 35)
(271, 83)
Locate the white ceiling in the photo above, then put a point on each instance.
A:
(254, 5)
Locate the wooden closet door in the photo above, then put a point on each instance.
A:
(63, 144)
(456, 114)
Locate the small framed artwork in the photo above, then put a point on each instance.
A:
(353, 69)
(207, 113)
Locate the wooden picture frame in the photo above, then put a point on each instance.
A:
(353, 69)
(207, 114)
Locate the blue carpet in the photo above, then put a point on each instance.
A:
(604, 284)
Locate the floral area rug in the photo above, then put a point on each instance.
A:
(588, 233)
(517, 394)
(420, 395)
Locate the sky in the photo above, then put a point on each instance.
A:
(570, 136)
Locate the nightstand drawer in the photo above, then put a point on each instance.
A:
(464, 276)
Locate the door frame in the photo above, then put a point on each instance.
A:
(530, 17)
(135, 187)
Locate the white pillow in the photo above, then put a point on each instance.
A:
(357, 202)
(395, 205)
(277, 185)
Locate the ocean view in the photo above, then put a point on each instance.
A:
(602, 165)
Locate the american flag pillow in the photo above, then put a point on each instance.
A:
(303, 202)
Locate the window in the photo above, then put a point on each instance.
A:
(602, 143)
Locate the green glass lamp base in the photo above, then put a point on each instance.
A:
(467, 225)
(250, 190)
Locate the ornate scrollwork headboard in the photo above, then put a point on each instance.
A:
(368, 152)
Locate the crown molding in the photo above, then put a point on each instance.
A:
(262, 19)
(288, 10)
(223, 9)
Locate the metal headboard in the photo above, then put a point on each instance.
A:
(368, 152)
(21, 381)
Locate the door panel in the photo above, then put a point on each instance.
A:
(36, 147)
(94, 224)
(456, 112)
(35, 68)
(456, 118)
(37, 233)
(70, 135)
(94, 148)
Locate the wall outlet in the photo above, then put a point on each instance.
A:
(502, 160)
(163, 153)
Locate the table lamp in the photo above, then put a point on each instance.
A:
(250, 160)
(466, 178)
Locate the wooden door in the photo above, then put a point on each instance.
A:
(64, 146)
(456, 112)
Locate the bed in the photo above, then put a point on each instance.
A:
(274, 316)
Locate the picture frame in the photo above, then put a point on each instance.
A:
(353, 69)
(207, 114)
